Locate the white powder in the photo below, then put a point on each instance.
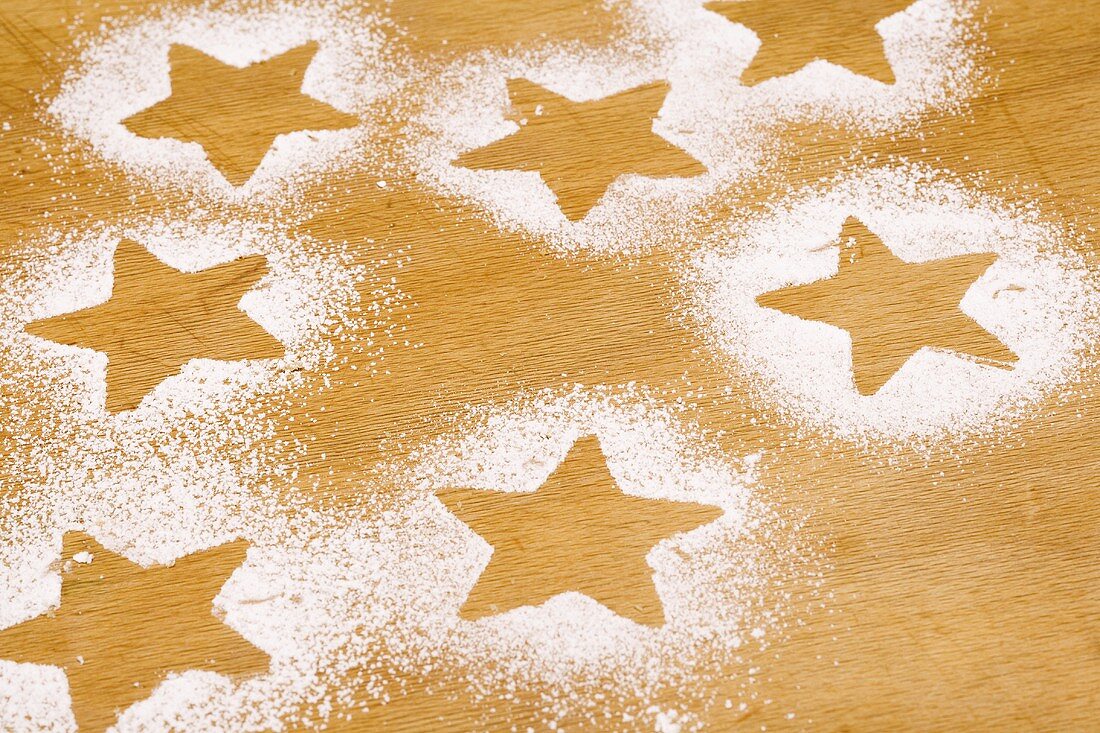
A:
(733, 129)
(124, 69)
(199, 450)
(711, 580)
(379, 591)
(442, 108)
(1038, 298)
(583, 659)
(376, 589)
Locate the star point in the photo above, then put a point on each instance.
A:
(892, 308)
(580, 148)
(577, 533)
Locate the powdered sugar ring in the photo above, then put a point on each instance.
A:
(304, 292)
(124, 69)
(1038, 298)
(710, 579)
(197, 443)
(195, 465)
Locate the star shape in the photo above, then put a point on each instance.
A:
(578, 533)
(234, 113)
(120, 628)
(795, 34)
(159, 318)
(579, 148)
(893, 308)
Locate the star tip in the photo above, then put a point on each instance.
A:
(883, 76)
(869, 389)
(129, 246)
(714, 513)
(751, 79)
(474, 612)
(236, 181)
(31, 328)
(767, 300)
(186, 53)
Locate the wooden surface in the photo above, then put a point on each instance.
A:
(961, 590)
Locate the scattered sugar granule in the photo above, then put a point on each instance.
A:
(328, 594)
(709, 579)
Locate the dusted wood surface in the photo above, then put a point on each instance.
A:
(961, 589)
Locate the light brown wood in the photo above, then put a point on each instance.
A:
(209, 98)
(794, 34)
(961, 589)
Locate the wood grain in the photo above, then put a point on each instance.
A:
(892, 308)
(577, 533)
(962, 587)
(157, 319)
(109, 631)
(579, 148)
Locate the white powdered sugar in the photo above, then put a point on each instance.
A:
(731, 128)
(23, 707)
(352, 603)
(309, 288)
(583, 659)
(200, 448)
(373, 596)
(449, 107)
(1038, 298)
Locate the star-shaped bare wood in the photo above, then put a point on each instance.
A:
(234, 113)
(159, 318)
(795, 34)
(121, 628)
(578, 532)
(579, 148)
(893, 308)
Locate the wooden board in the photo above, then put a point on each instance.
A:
(961, 590)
